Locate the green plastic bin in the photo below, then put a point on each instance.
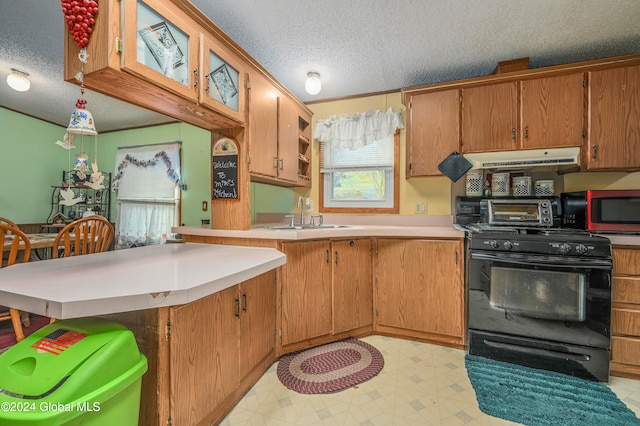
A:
(84, 371)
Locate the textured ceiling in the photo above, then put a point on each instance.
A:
(357, 46)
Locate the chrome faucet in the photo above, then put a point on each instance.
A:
(301, 207)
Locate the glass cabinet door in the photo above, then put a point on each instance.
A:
(223, 80)
(160, 46)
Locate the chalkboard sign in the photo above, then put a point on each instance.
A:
(225, 169)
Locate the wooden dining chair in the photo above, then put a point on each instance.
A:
(12, 253)
(92, 234)
(4, 220)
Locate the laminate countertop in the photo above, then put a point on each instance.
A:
(350, 231)
(131, 279)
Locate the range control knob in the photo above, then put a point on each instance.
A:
(508, 245)
(493, 244)
(581, 249)
(565, 248)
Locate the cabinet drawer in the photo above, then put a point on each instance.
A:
(625, 350)
(626, 289)
(625, 322)
(626, 261)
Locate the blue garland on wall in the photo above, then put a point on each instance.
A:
(160, 156)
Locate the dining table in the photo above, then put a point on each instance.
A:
(43, 242)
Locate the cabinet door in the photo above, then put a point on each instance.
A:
(222, 82)
(433, 130)
(257, 320)
(614, 119)
(161, 46)
(352, 286)
(489, 118)
(263, 126)
(306, 291)
(203, 355)
(420, 285)
(552, 111)
(287, 140)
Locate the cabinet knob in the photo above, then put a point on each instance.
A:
(595, 152)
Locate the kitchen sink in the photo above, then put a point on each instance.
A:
(307, 227)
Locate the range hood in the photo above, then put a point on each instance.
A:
(556, 158)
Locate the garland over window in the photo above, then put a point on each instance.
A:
(160, 155)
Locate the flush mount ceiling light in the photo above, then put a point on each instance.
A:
(18, 80)
(313, 83)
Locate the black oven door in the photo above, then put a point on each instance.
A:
(551, 298)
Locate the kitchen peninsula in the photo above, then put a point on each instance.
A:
(203, 315)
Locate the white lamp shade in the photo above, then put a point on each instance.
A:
(313, 83)
(18, 81)
(82, 123)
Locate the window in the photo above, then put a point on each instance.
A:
(147, 180)
(364, 178)
(359, 162)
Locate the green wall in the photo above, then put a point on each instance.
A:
(32, 163)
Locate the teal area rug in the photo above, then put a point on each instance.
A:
(538, 397)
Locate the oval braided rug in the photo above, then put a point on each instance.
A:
(330, 368)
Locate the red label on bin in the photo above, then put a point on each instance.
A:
(58, 341)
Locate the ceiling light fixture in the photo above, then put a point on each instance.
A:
(18, 80)
(313, 83)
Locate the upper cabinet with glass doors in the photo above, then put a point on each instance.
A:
(222, 81)
(161, 46)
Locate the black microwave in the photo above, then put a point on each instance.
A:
(612, 210)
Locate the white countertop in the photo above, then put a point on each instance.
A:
(131, 279)
(435, 231)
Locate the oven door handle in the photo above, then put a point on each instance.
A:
(544, 260)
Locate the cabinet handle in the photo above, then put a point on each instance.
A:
(327, 256)
(282, 164)
(513, 134)
(237, 307)
(244, 302)
(195, 77)
(526, 132)
(275, 163)
(336, 257)
(595, 152)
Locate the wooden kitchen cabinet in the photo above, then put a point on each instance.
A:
(625, 313)
(263, 127)
(548, 113)
(222, 79)
(161, 45)
(287, 140)
(352, 284)
(433, 130)
(552, 112)
(489, 118)
(419, 286)
(326, 291)
(614, 119)
(216, 344)
(205, 355)
(280, 136)
(305, 292)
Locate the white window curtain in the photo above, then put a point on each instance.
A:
(361, 141)
(353, 131)
(147, 180)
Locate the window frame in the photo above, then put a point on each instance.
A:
(396, 187)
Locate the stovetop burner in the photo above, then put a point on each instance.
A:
(549, 241)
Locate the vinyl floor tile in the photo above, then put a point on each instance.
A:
(421, 385)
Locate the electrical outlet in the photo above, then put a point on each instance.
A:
(421, 207)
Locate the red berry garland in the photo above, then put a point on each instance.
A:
(80, 17)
